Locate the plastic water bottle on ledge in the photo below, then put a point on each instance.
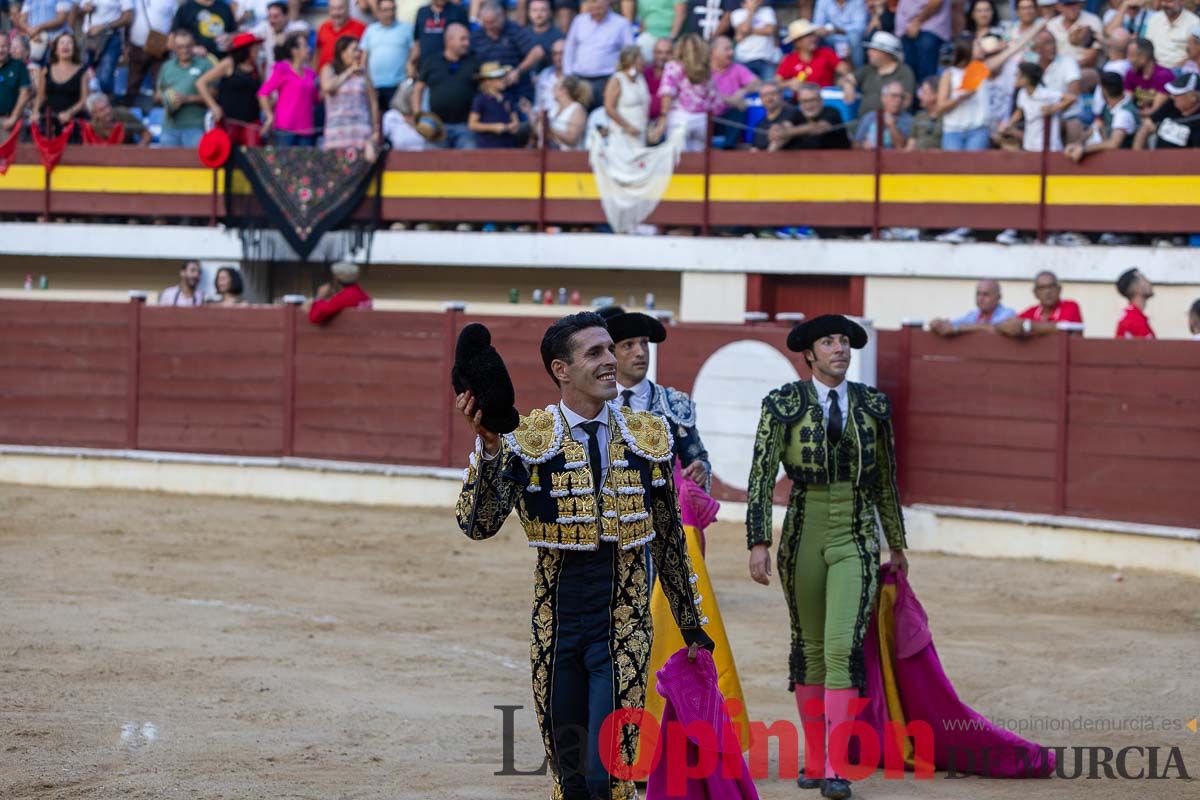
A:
(28, 283)
(562, 295)
(650, 300)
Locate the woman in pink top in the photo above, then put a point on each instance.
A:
(290, 117)
(688, 93)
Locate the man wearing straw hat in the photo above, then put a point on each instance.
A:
(809, 62)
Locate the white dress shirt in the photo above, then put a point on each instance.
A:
(641, 395)
(843, 400)
(576, 421)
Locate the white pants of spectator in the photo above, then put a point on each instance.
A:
(694, 127)
(630, 176)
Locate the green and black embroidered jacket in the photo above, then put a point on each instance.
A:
(791, 431)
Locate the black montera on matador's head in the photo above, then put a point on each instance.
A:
(479, 368)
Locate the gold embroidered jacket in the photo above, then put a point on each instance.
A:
(545, 474)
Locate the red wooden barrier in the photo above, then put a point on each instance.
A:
(1105, 429)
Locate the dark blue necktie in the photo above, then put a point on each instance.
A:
(594, 453)
(835, 418)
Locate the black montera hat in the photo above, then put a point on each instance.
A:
(624, 324)
(479, 367)
(805, 333)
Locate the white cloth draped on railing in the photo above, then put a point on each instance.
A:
(630, 176)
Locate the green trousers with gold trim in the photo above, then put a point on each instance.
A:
(831, 554)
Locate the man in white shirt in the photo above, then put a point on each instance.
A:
(103, 24)
(1169, 30)
(632, 335)
(1071, 18)
(1060, 75)
(274, 29)
(187, 291)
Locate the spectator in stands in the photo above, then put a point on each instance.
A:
(493, 119)
(733, 81)
(1130, 16)
(15, 90)
(210, 22)
(843, 24)
(187, 292)
(62, 91)
(767, 133)
(288, 96)
(816, 126)
(386, 44)
(230, 90)
(547, 79)
(542, 30)
(1176, 123)
(147, 50)
(963, 101)
(274, 30)
(688, 93)
(339, 24)
(565, 12)
(503, 41)
(1067, 29)
(18, 48)
(627, 105)
(1134, 324)
(351, 108)
(43, 21)
(229, 286)
(1061, 74)
(405, 130)
(924, 27)
(1115, 127)
(1194, 321)
(884, 63)
(1193, 52)
(1043, 316)
(339, 294)
(981, 19)
(1047, 9)
(449, 77)
(568, 118)
(809, 62)
(1169, 30)
(108, 126)
(432, 21)
(927, 125)
(103, 23)
(987, 313)
(754, 26)
(897, 121)
(709, 19)
(1146, 81)
(659, 19)
(653, 72)
(183, 122)
(594, 45)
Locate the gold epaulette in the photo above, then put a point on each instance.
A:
(647, 434)
(538, 437)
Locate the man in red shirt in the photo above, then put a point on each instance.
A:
(1134, 324)
(341, 293)
(808, 63)
(339, 24)
(1043, 317)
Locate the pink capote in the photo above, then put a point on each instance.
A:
(697, 507)
(691, 694)
(926, 694)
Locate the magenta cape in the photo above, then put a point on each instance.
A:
(692, 696)
(964, 740)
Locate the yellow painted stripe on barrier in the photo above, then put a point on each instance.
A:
(1123, 190)
(461, 185)
(796, 188)
(135, 180)
(582, 186)
(971, 189)
(23, 178)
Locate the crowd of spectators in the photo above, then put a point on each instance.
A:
(341, 292)
(1052, 313)
(912, 74)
